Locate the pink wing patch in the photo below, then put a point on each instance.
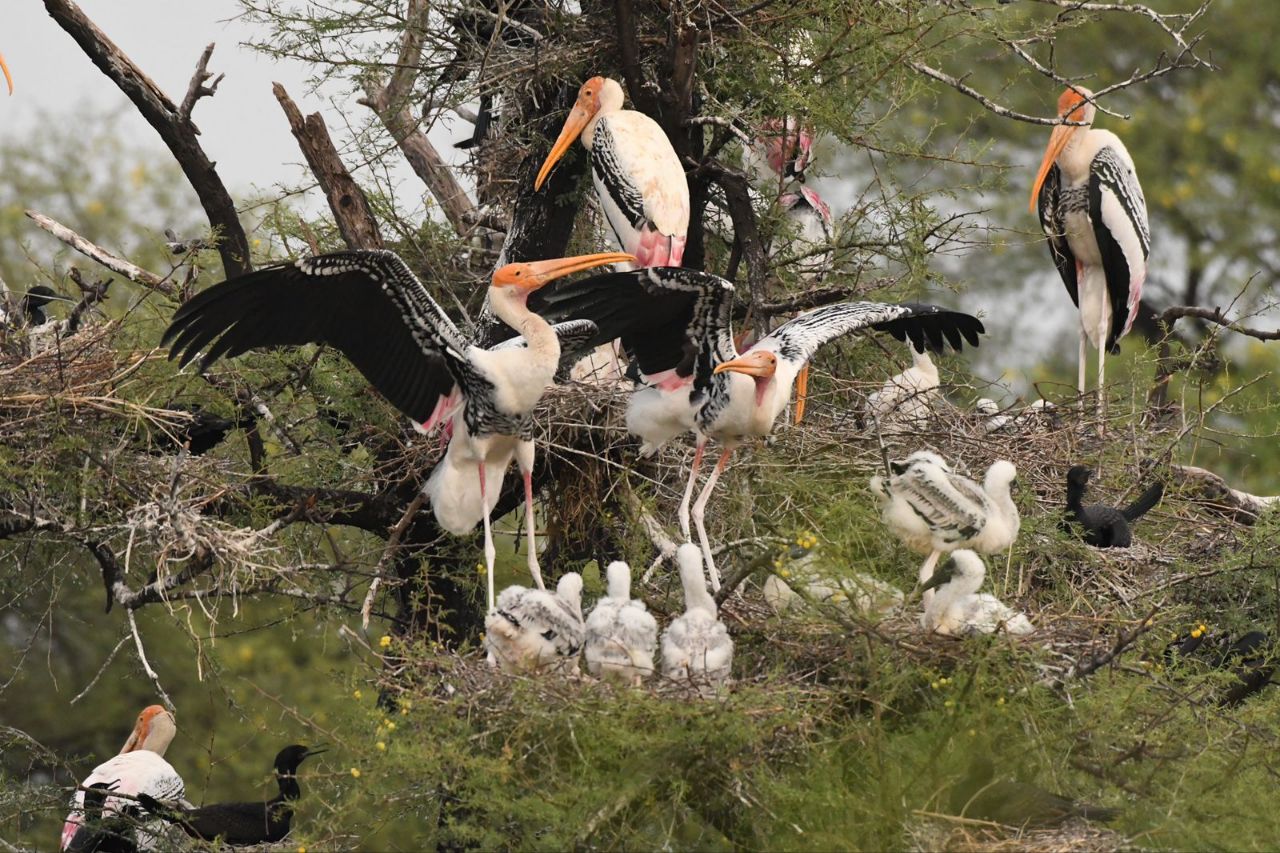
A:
(656, 249)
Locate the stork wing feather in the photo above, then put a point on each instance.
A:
(368, 305)
(1053, 221)
(669, 318)
(1118, 212)
(633, 161)
(950, 504)
(925, 325)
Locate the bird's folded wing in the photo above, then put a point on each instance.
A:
(1053, 222)
(1119, 215)
(949, 504)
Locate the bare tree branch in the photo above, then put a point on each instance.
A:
(196, 88)
(1169, 316)
(347, 201)
(178, 133)
(1240, 506)
(95, 252)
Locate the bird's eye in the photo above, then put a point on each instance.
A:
(548, 635)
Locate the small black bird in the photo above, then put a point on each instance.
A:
(113, 833)
(1105, 526)
(203, 432)
(983, 797)
(1251, 659)
(33, 304)
(242, 824)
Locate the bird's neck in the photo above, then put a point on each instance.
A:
(1076, 156)
(1075, 498)
(288, 783)
(589, 131)
(1000, 496)
(512, 308)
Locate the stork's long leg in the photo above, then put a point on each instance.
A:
(524, 460)
(490, 553)
(699, 511)
(688, 489)
(1084, 355)
(1102, 362)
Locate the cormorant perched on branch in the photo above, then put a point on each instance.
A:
(1105, 526)
(242, 824)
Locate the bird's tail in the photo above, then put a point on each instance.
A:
(1145, 503)
(454, 491)
(1098, 813)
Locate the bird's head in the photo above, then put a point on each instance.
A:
(986, 406)
(619, 579)
(597, 95)
(1001, 475)
(761, 364)
(288, 759)
(1078, 476)
(524, 278)
(569, 589)
(919, 457)
(1072, 106)
(8, 78)
(153, 731)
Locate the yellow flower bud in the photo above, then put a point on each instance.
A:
(384, 641)
(355, 772)
(381, 745)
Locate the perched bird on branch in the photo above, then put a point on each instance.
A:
(1093, 212)
(959, 609)
(1100, 525)
(247, 823)
(139, 769)
(621, 635)
(533, 630)
(982, 796)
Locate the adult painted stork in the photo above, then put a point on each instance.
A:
(637, 175)
(1095, 217)
(533, 630)
(621, 635)
(140, 768)
(781, 151)
(696, 647)
(959, 609)
(247, 823)
(677, 324)
(932, 509)
(372, 308)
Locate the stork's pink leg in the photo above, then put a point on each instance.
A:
(490, 553)
(688, 489)
(524, 460)
(699, 512)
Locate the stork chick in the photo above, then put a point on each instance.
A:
(959, 609)
(535, 630)
(696, 647)
(906, 399)
(622, 636)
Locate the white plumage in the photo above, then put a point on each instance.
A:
(536, 630)
(932, 509)
(959, 609)
(906, 399)
(140, 768)
(861, 593)
(696, 647)
(621, 635)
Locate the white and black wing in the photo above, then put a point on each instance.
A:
(1053, 221)
(950, 504)
(368, 305)
(926, 326)
(668, 318)
(1118, 212)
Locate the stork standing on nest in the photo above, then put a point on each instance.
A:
(932, 509)
(372, 308)
(1093, 212)
(621, 635)
(677, 324)
(140, 768)
(959, 608)
(534, 630)
(696, 647)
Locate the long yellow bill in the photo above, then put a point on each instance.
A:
(8, 78)
(1057, 141)
(534, 274)
(802, 391)
(583, 110)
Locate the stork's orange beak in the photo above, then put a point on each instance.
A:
(583, 111)
(1071, 107)
(534, 274)
(760, 363)
(802, 391)
(8, 78)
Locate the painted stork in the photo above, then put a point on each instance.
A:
(8, 78)
(247, 823)
(533, 630)
(621, 635)
(1095, 217)
(637, 175)
(906, 399)
(809, 249)
(932, 509)
(140, 768)
(1100, 525)
(372, 308)
(958, 609)
(696, 647)
(677, 324)
(781, 152)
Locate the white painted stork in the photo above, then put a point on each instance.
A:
(534, 630)
(906, 398)
(622, 635)
(677, 324)
(372, 308)
(958, 609)
(637, 175)
(696, 647)
(140, 768)
(1092, 210)
(932, 509)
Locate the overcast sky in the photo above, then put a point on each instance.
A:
(242, 128)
